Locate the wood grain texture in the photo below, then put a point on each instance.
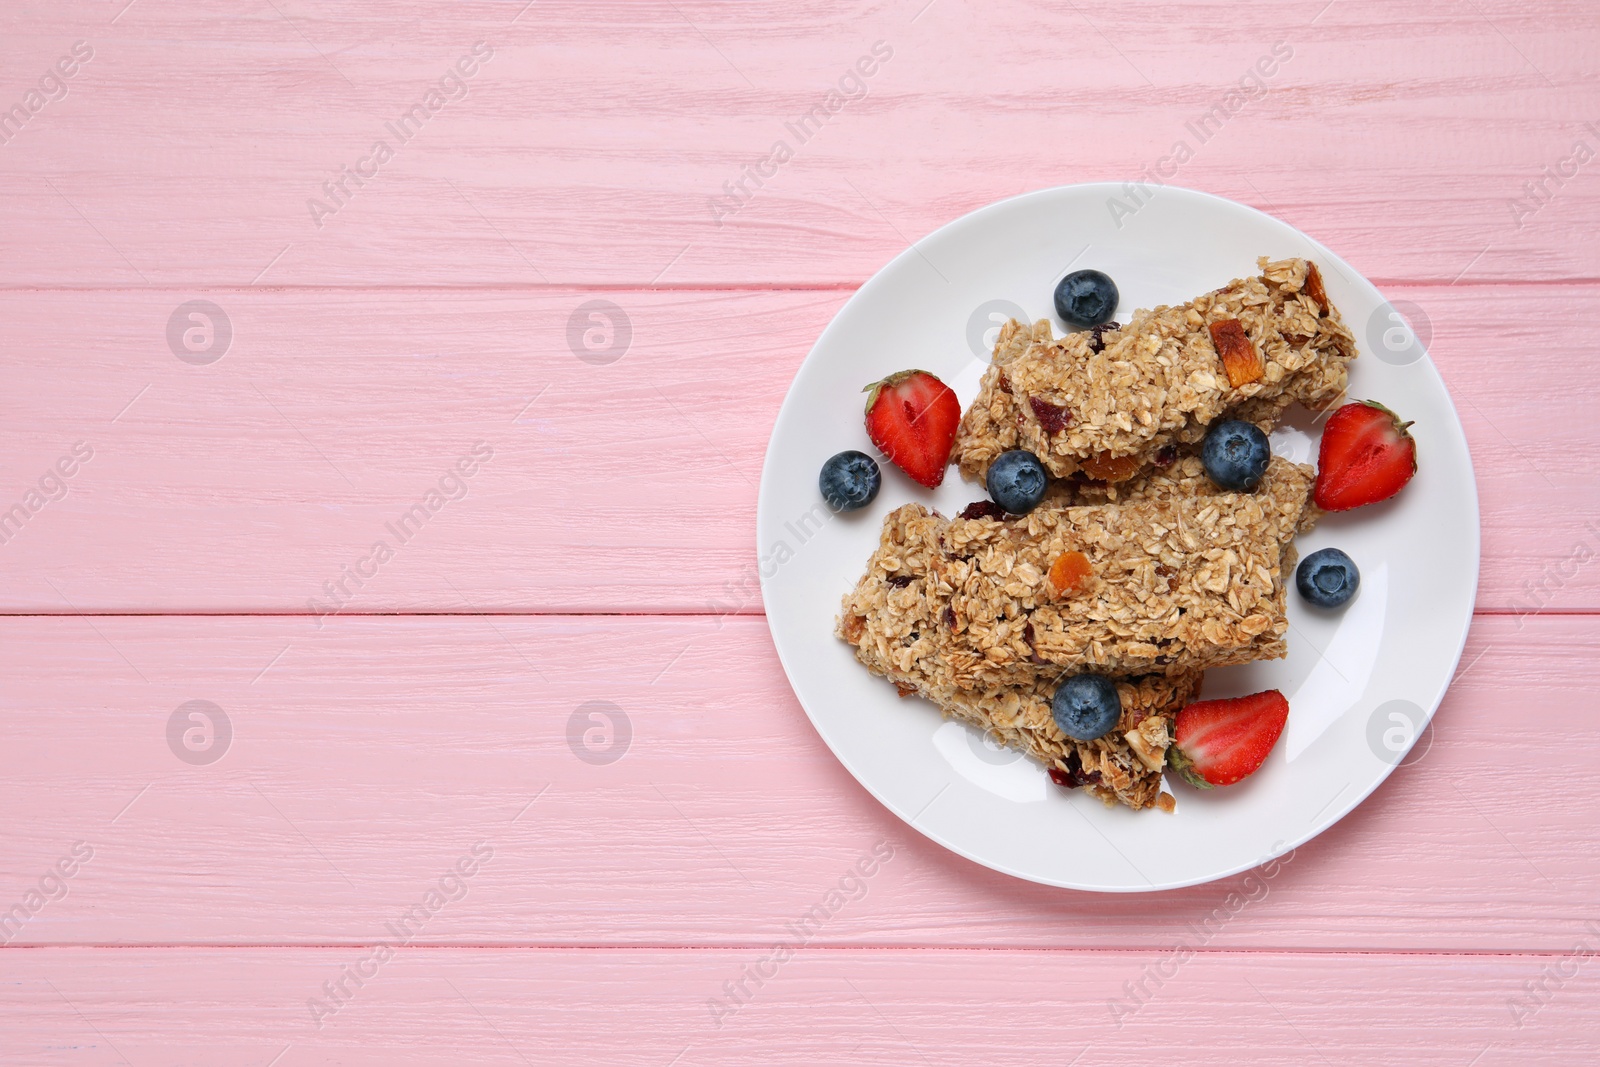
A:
(246, 484)
(591, 147)
(630, 1007)
(427, 308)
(368, 757)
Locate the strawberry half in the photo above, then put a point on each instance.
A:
(912, 418)
(1366, 456)
(1220, 742)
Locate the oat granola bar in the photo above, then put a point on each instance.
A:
(898, 619)
(1181, 473)
(894, 620)
(1123, 767)
(1173, 585)
(1107, 402)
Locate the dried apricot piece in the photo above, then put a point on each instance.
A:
(1104, 467)
(1313, 287)
(1239, 356)
(1070, 573)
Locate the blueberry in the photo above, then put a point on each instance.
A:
(1086, 298)
(1327, 578)
(850, 480)
(1235, 454)
(1017, 481)
(1086, 706)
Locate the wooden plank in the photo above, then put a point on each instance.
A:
(577, 908)
(368, 758)
(251, 483)
(597, 142)
(630, 1006)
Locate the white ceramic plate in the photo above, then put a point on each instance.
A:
(1362, 683)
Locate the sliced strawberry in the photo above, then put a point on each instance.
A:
(1220, 742)
(912, 418)
(1366, 456)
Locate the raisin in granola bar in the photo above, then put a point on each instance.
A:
(1107, 402)
(1169, 585)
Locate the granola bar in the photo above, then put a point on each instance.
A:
(1123, 767)
(1175, 584)
(894, 618)
(1180, 473)
(1107, 402)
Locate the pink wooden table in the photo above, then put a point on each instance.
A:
(528, 786)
